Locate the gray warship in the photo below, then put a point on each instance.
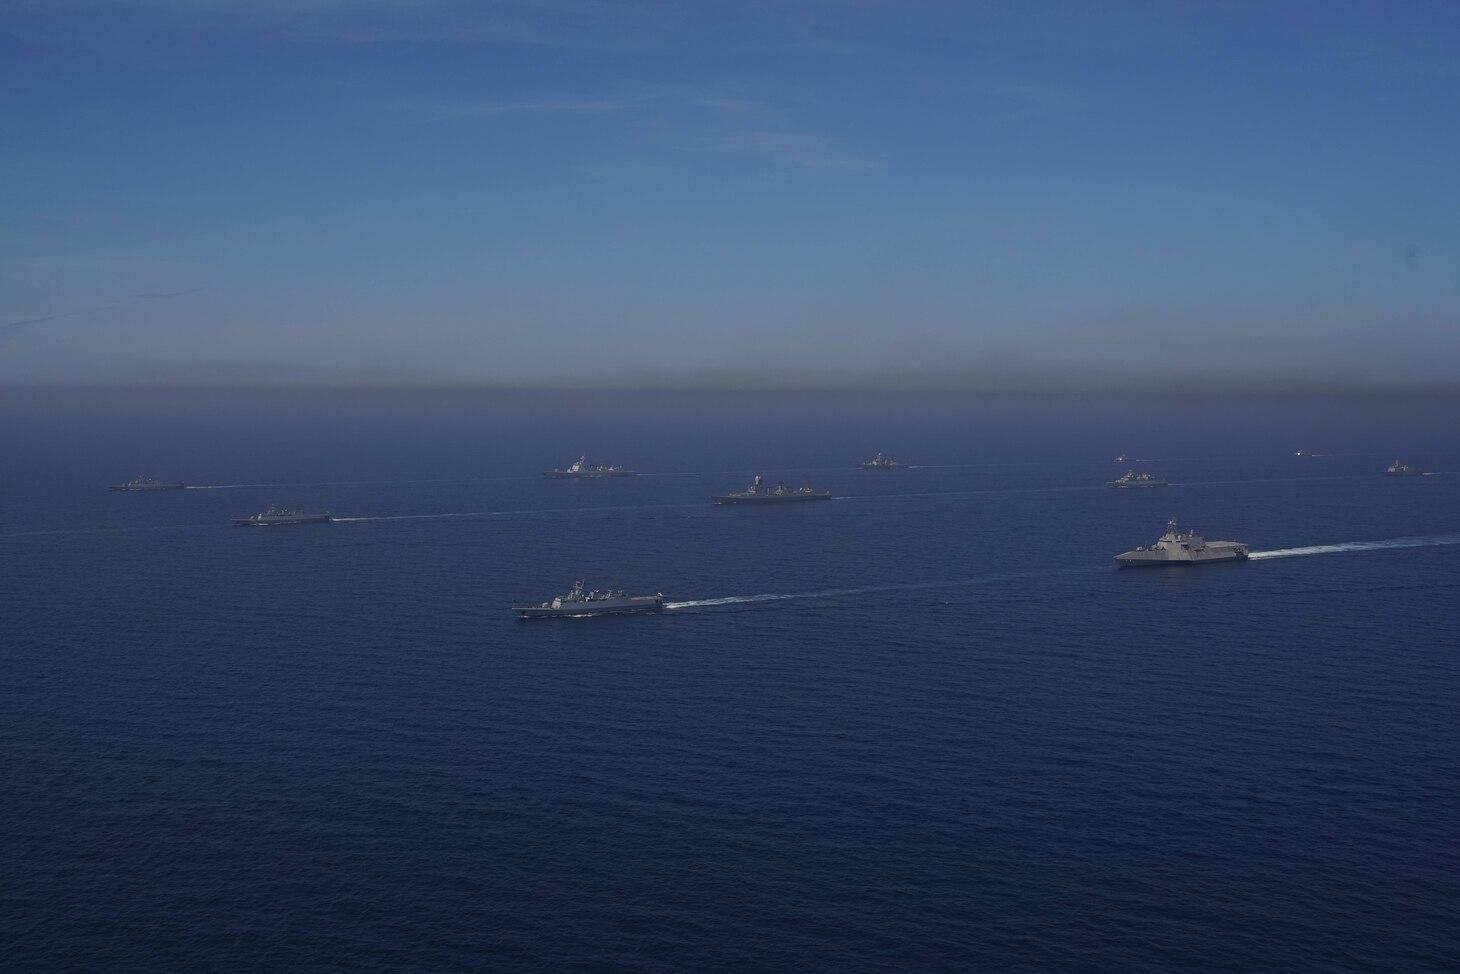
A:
(147, 483)
(581, 469)
(1397, 469)
(578, 604)
(759, 493)
(277, 516)
(1177, 548)
(1132, 479)
(879, 462)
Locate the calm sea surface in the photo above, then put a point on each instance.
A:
(926, 726)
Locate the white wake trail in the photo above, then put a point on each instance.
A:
(1425, 541)
(831, 593)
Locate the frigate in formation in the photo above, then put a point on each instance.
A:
(879, 462)
(148, 483)
(277, 516)
(581, 469)
(1132, 479)
(759, 493)
(578, 604)
(1397, 469)
(1176, 547)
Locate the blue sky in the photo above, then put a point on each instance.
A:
(779, 193)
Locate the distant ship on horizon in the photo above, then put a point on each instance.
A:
(1132, 479)
(147, 483)
(581, 469)
(1397, 469)
(579, 604)
(277, 516)
(879, 462)
(759, 493)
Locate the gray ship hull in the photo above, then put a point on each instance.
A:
(158, 486)
(596, 607)
(1214, 552)
(265, 521)
(819, 495)
(587, 474)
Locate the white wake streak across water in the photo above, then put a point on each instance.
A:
(832, 593)
(1425, 541)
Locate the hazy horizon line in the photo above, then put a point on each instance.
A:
(1046, 388)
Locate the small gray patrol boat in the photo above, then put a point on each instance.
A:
(759, 493)
(1182, 548)
(579, 604)
(277, 516)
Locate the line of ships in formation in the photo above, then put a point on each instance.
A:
(1174, 548)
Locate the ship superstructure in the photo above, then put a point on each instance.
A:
(1176, 547)
(581, 469)
(579, 603)
(759, 493)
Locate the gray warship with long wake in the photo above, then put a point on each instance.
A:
(759, 493)
(1182, 548)
(579, 604)
(1397, 469)
(581, 469)
(879, 462)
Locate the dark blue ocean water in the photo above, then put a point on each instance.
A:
(926, 726)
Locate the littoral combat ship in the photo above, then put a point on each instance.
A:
(148, 483)
(759, 493)
(1132, 479)
(879, 462)
(578, 604)
(1176, 548)
(276, 516)
(581, 469)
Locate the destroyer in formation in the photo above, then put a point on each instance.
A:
(277, 516)
(1397, 469)
(1132, 479)
(148, 483)
(1178, 548)
(579, 604)
(879, 462)
(581, 469)
(759, 493)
